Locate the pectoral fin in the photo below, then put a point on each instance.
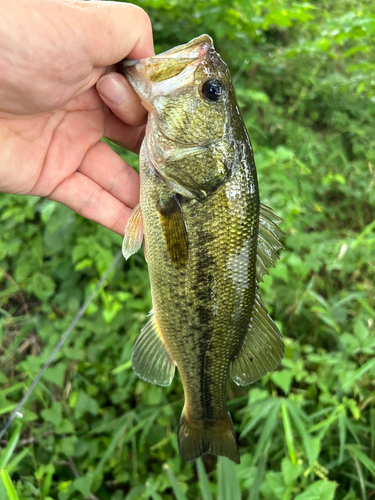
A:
(150, 358)
(262, 349)
(133, 233)
(175, 231)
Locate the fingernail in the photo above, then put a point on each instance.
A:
(113, 89)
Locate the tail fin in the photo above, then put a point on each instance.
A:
(195, 438)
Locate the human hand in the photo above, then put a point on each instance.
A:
(52, 54)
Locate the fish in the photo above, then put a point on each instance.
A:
(208, 242)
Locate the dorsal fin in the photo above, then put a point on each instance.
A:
(268, 241)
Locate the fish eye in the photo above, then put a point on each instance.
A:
(213, 89)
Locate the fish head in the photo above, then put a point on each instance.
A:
(188, 89)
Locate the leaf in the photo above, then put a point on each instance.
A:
(290, 471)
(342, 436)
(151, 492)
(255, 95)
(288, 433)
(85, 404)
(8, 485)
(111, 313)
(68, 444)
(3, 495)
(361, 478)
(49, 471)
(53, 414)
(268, 429)
(282, 379)
(276, 484)
(111, 447)
(310, 448)
(254, 490)
(360, 331)
(180, 495)
(7, 453)
(319, 490)
(369, 365)
(17, 459)
(265, 407)
(362, 457)
(203, 480)
(83, 484)
(228, 487)
(56, 374)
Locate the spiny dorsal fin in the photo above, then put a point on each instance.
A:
(175, 232)
(268, 241)
(262, 348)
(133, 233)
(150, 359)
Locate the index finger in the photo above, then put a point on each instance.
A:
(111, 31)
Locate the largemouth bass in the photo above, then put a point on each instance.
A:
(208, 241)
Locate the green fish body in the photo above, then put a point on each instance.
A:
(208, 241)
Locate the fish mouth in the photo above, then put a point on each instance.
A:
(154, 75)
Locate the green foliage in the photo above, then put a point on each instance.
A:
(304, 76)
(8, 485)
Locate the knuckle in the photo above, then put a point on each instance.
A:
(143, 16)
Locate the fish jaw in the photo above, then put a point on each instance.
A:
(196, 48)
(166, 72)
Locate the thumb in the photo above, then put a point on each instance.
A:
(119, 96)
(111, 31)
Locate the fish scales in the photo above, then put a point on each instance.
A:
(203, 314)
(199, 217)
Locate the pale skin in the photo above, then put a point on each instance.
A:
(59, 95)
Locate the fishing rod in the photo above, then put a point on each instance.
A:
(60, 343)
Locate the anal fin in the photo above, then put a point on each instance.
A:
(262, 349)
(133, 233)
(150, 359)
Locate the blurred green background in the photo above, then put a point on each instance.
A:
(305, 80)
